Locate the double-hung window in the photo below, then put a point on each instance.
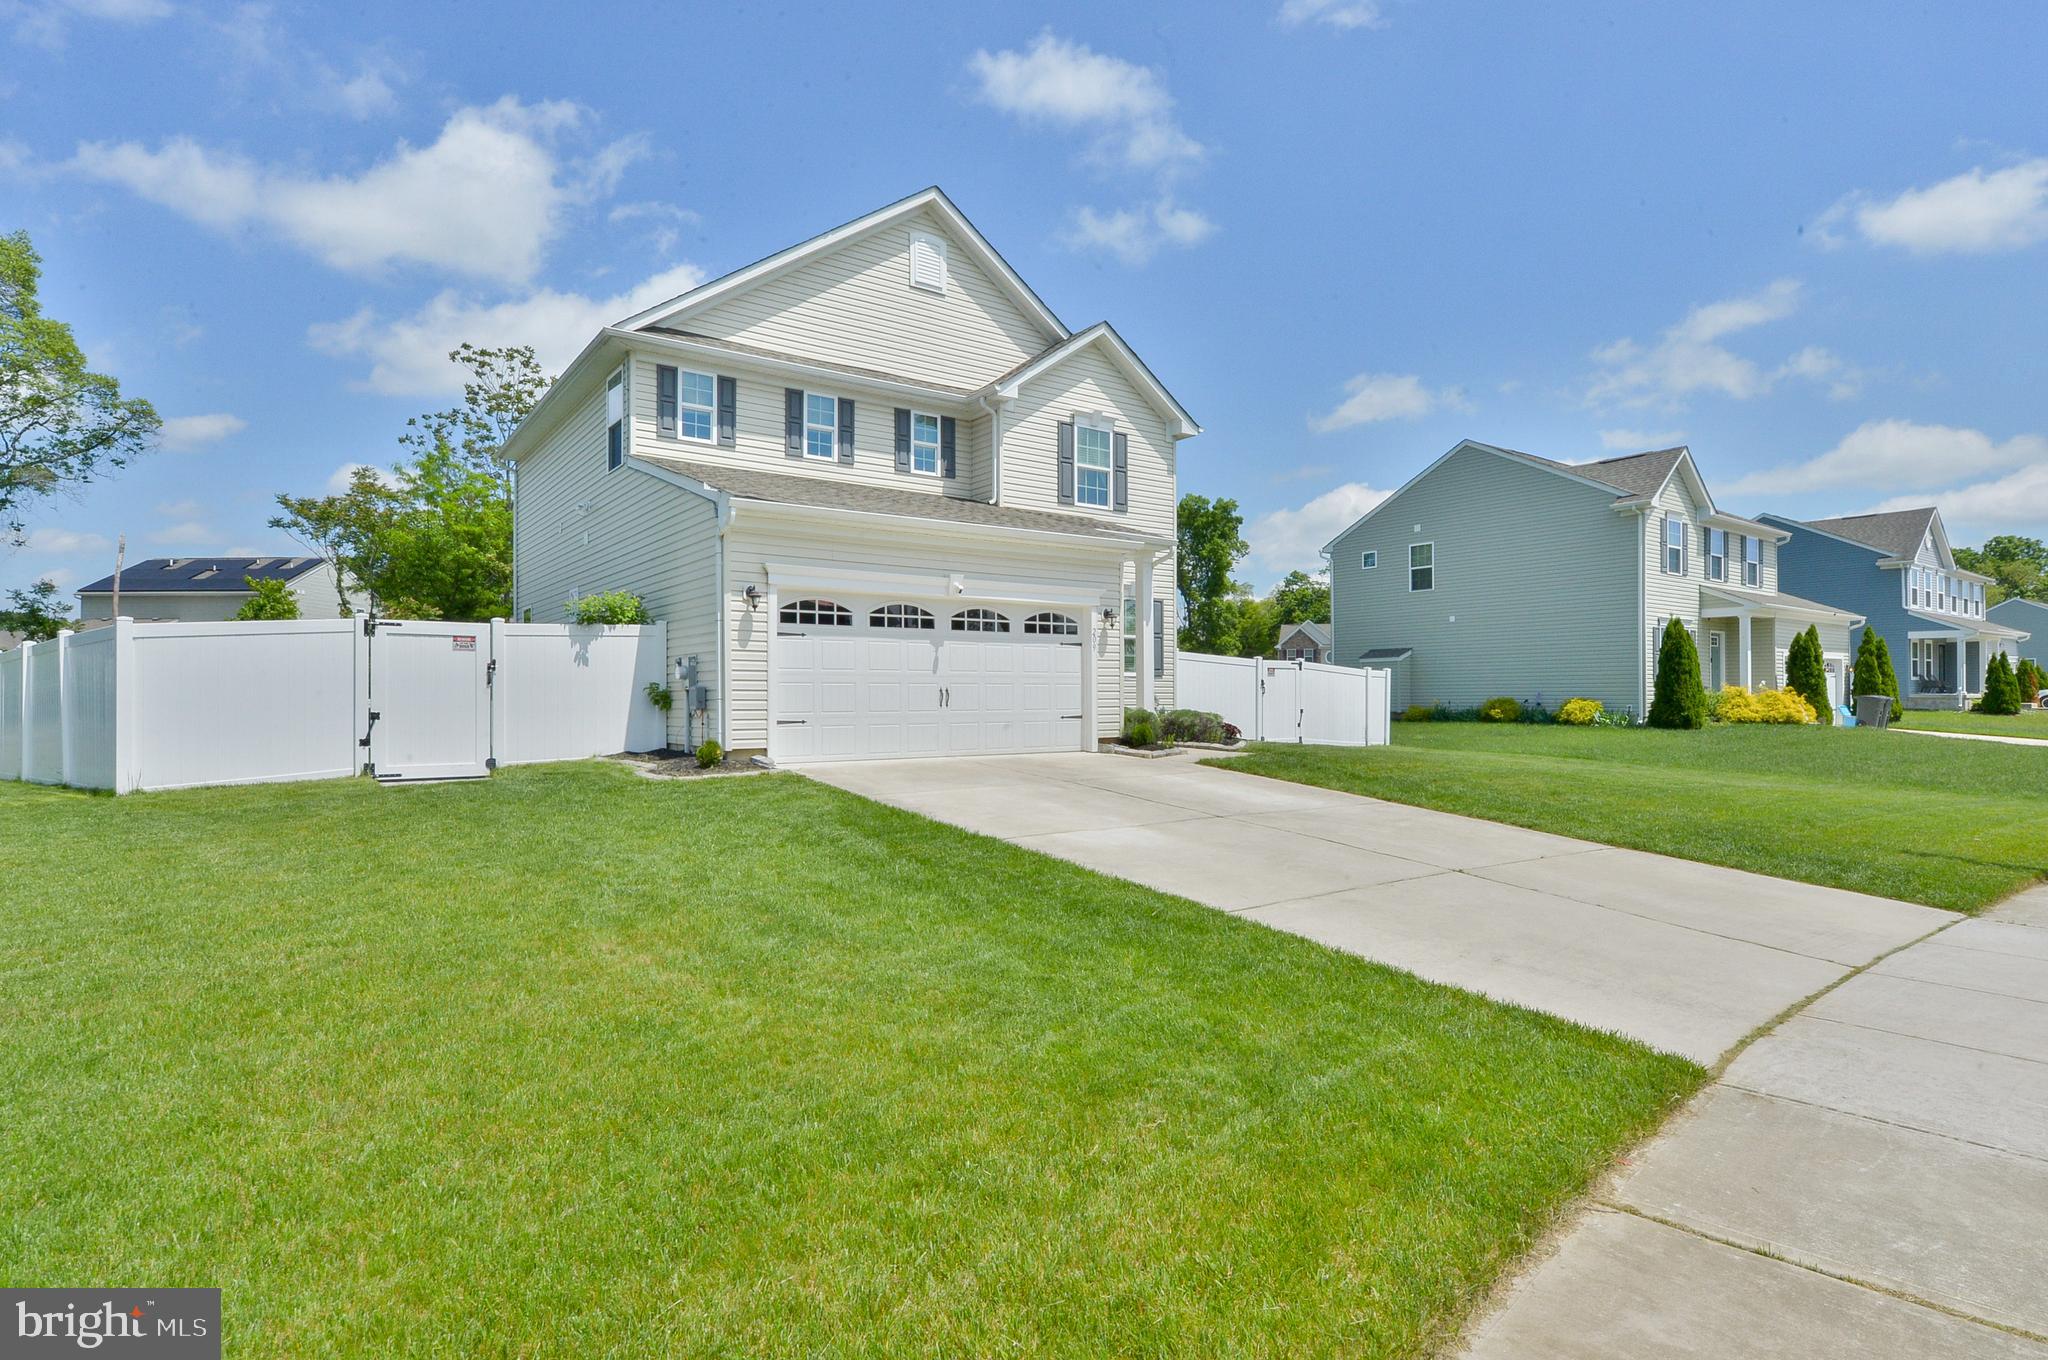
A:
(821, 426)
(1752, 561)
(1674, 545)
(1717, 554)
(1422, 566)
(698, 413)
(1094, 464)
(924, 443)
(615, 419)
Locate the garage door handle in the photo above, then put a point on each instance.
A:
(790, 722)
(1065, 716)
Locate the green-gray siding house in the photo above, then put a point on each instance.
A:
(1498, 572)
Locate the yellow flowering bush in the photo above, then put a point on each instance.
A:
(1580, 712)
(1738, 705)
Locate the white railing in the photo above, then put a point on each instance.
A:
(1303, 702)
(143, 706)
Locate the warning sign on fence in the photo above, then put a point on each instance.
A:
(465, 642)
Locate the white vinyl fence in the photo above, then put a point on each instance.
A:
(1292, 701)
(170, 705)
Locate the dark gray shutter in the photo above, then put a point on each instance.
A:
(793, 422)
(946, 433)
(665, 400)
(1066, 462)
(903, 439)
(728, 412)
(1158, 636)
(846, 429)
(1123, 472)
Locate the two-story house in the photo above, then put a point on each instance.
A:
(1496, 572)
(1303, 642)
(1897, 570)
(887, 503)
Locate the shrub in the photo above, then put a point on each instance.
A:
(660, 695)
(1418, 713)
(1233, 733)
(1739, 705)
(1141, 727)
(1188, 724)
(2032, 680)
(1806, 673)
(1580, 712)
(1500, 709)
(709, 754)
(1888, 675)
(272, 600)
(1445, 713)
(1679, 702)
(1615, 717)
(609, 607)
(2001, 686)
(1535, 712)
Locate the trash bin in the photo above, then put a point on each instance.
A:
(1873, 710)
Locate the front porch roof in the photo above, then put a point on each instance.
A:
(1721, 602)
(1966, 629)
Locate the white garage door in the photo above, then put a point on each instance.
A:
(864, 679)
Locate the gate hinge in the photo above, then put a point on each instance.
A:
(374, 715)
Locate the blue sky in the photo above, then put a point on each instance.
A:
(1807, 240)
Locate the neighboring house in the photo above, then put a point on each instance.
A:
(884, 499)
(1897, 570)
(205, 589)
(1495, 572)
(2030, 617)
(1303, 642)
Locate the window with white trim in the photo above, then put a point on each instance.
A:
(1094, 463)
(927, 261)
(817, 612)
(1368, 559)
(1051, 625)
(1421, 566)
(1674, 545)
(924, 443)
(901, 616)
(615, 419)
(697, 408)
(980, 621)
(1717, 554)
(1752, 561)
(821, 426)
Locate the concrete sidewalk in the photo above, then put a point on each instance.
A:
(1971, 736)
(1687, 957)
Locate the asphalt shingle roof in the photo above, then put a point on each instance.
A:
(1896, 533)
(156, 575)
(1632, 474)
(832, 493)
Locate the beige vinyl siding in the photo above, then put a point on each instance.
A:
(196, 607)
(582, 528)
(1666, 596)
(1089, 382)
(758, 430)
(760, 537)
(854, 305)
(320, 597)
(1536, 581)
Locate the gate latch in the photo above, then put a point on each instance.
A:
(491, 671)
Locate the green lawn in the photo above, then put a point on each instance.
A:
(571, 1063)
(1955, 824)
(2030, 723)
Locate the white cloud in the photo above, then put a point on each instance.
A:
(1373, 397)
(1135, 235)
(1067, 84)
(66, 541)
(409, 355)
(484, 199)
(2017, 501)
(48, 24)
(1898, 455)
(191, 534)
(1689, 358)
(259, 45)
(1976, 212)
(185, 509)
(183, 433)
(344, 477)
(1339, 14)
(667, 222)
(1639, 441)
(1282, 540)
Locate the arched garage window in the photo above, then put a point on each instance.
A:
(901, 616)
(818, 612)
(980, 621)
(1050, 625)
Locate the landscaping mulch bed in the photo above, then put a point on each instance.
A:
(673, 764)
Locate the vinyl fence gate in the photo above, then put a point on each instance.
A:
(1303, 702)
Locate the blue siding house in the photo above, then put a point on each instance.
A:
(2029, 616)
(1898, 571)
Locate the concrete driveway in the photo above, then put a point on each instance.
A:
(1685, 957)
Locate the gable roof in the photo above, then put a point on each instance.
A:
(1895, 533)
(1639, 476)
(1318, 633)
(186, 575)
(933, 198)
(1104, 336)
(2016, 604)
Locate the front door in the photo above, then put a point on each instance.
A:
(1714, 677)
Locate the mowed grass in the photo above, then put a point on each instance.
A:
(2031, 722)
(1957, 824)
(574, 1063)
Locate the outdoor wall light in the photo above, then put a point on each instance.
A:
(753, 594)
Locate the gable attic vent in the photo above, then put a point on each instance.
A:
(927, 261)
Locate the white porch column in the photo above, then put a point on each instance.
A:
(1742, 646)
(1142, 589)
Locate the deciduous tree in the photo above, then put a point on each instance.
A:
(1208, 544)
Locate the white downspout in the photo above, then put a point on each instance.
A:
(995, 447)
(724, 621)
